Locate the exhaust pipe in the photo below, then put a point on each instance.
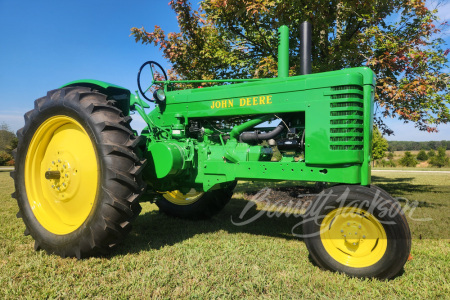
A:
(305, 48)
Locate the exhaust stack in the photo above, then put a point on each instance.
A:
(305, 48)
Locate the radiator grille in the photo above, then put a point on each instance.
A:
(347, 130)
(346, 121)
(347, 139)
(346, 104)
(346, 87)
(346, 147)
(346, 118)
(345, 96)
(346, 113)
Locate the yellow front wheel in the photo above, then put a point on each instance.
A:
(77, 173)
(360, 231)
(195, 204)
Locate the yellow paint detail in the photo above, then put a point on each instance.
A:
(353, 237)
(61, 205)
(178, 198)
(250, 101)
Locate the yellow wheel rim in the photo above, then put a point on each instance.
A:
(178, 198)
(353, 237)
(61, 205)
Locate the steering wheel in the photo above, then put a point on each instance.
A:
(151, 64)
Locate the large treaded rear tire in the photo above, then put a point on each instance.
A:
(106, 217)
(207, 205)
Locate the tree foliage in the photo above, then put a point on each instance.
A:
(390, 155)
(8, 142)
(6, 159)
(412, 145)
(408, 160)
(441, 159)
(8, 139)
(422, 155)
(398, 39)
(379, 144)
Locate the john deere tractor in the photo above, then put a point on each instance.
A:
(81, 170)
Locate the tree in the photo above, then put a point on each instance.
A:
(441, 159)
(6, 159)
(431, 153)
(399, 40)
(8, 142)
(390, 155)
(422, 155)
(408, 160)
(6, 136)
(379, 145)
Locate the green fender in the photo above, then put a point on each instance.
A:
(114, 92)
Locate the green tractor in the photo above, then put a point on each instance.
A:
(81, 170)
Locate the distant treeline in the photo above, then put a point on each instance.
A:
(409, 145)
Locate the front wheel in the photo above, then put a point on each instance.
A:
(357, 230)
(77, 175)
(195, 204)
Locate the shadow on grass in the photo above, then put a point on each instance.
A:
(154, 230)
(401, 186)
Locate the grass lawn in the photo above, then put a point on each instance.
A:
(170, 258)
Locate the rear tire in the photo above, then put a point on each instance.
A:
(195, 205)
(86, 208)
(363, 233)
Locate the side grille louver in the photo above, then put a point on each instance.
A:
(346, 118)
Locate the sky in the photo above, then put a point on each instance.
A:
(45, 44)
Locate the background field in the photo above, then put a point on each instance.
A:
(166, 257)
(421, 165)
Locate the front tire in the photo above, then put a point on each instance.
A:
(358, 231)
(195, 204)
(77, 175)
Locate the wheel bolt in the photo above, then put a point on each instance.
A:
(59, 160)
(364, 236)
(53, 186)
(354, 244)
(64, 184)
(66, 175)
(359, 226)
(348, 224)
(53, 162)
(342, 230)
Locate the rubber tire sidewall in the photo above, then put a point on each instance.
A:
(398, 234)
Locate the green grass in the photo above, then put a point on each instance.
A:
(171, 258)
